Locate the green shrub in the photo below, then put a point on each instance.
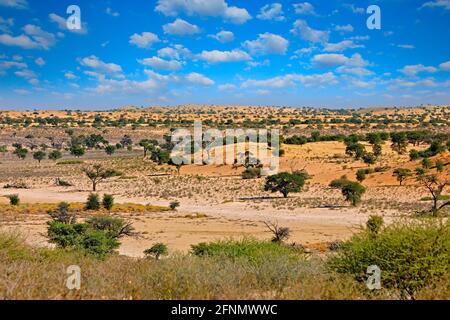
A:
(156, 250)
(14, 199)
(410, 254)
(374, 224)
(249, 249)
(98, 236)
(63, 214)
(98, 243)
(93, 202)
(353, 191)
(361, 175)
(66, 235)
(112, 226)
(108, 201)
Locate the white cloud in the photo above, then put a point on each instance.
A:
(272, 11)
(227, 87)
(437, 4)
(62, 24)
(223, 36)
(211, 8)
(25, 73)
(341, 46)
(291, 79)
(5, 24)
(34, 38)
(344, 28)
(5, 65)
(101, 67)
(356, 71)
(406, 46)
(216, 56)
(445, 66)
(33, 82)
(197, 78)
(328, 60)
(112, 13)
(40, 62)
(236, 15)
(354, 9)
(267, 43)
(70, 75)
(161, 64)
(176, 52)
(304, 8)
(16, 4)
(144, 40)
(180, 27)
(302, 29)
(412, 70)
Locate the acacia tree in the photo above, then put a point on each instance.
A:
(39, 156)
(285, 183)
(402, 174)
(97, 174)
(353, 191)
(399, 142)
(435, 186)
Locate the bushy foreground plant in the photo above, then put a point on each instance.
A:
(249, 249)
(98, 236)
(411, 254)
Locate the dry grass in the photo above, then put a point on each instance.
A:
(31, 273)
(43, 208)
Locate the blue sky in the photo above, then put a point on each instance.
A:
(170, 52)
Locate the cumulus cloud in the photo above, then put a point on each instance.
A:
(144, 40)
(445, 66)
(344, 28)
(181, 27)
(445, 4)
(161, 64)
(5, 24)
(216, 56)
(101, 67)
(272, 11)
(34, 38)
(70, 75)
(197, 78)
(304, 8)
(40, 62)
(223, 36)
(302, 29)
(267, 43)
(291, 79)
(111, 12)
(328, 60)
(205, 8)
(354, 9)
(25, 73)
(176, 52)
(16, 4)
(341, 46)
(62, 24)
(412, 70)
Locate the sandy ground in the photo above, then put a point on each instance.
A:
(192, 223)
(215, 202)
